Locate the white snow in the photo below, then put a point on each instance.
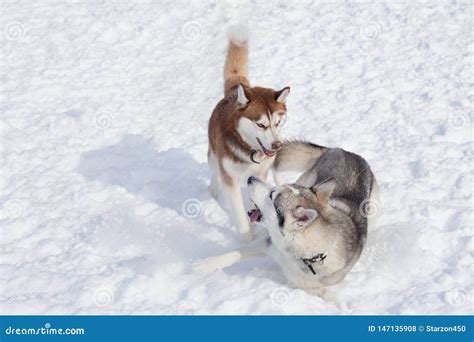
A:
(104, 178)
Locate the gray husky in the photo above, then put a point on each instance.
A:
(316, 228)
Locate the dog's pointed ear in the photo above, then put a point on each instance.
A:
(241, 97)
(281, 95)
(304, 217)
(324, 190)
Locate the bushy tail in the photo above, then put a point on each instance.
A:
(297, 156)
(236, 63)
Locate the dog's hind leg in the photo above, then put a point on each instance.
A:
(297, 156)
(252, 249)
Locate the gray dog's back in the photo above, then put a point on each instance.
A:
(351, 172)
(318, 164)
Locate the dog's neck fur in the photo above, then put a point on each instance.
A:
(240, 150)
(224, 139)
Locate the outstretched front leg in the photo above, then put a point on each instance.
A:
(251, 249)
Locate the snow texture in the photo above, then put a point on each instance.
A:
(104, 113)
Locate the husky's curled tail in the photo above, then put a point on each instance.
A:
(237, 60)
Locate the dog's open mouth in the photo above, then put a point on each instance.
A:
(269, 153)
(254, 215)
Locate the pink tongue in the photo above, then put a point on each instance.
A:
(254, 215)
(270, 153)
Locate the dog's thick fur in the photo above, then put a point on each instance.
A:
(243, 132)
(317, 227)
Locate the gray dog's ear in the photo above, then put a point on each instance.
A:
(324, 190)
(304, 217)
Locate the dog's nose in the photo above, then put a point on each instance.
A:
(277, 145)
(251, 179)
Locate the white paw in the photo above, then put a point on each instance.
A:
(203, 266)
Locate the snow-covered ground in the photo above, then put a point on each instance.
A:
(104, 178)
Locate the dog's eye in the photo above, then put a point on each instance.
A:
(271, 194)
(277, 123)
(260, 125)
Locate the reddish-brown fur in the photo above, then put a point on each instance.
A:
(223, 123)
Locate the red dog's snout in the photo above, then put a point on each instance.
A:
(277, 145)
